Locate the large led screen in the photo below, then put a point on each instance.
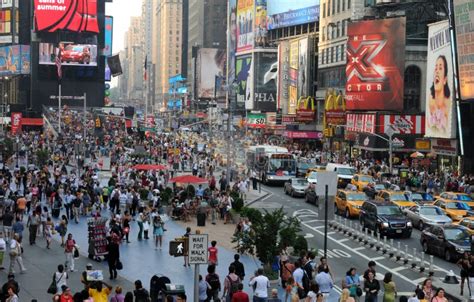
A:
(109, 25)
(439, 83)
(375, 64)
(266, 81)
(14, 60)
(211, 68)
(283, 13)
(464, 14)
(73, 15)
(71, 54)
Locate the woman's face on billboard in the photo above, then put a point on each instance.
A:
(440, 78)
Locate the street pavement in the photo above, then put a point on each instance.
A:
(344, 252)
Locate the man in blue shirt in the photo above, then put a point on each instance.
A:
(324, 280)
(200, 191)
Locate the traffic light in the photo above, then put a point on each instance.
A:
(107, 94)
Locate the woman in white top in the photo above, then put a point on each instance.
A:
(61, 278)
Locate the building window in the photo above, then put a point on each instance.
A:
(338, 6)
(411, 101)
(333, 32)
(324, 34)
(332, 54)
(343, 5)
(329, 32)
(338, 29)
(333, 7)
(324, 10)
(343, 28)
(348, 4)
(329, 7)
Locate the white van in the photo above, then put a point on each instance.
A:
(344, 173)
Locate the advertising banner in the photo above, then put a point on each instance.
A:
(211, 64)
(6, 22)
(283, 75)
(7, 3)
(284, 13)
(232, 41)
(245, 20)
(464, 20)
(266, 78)
(260, 31)
(108, 33)
(72, 15)
(108, 73)
(293, 76)
(71, 54)
(256, 120)
(360, 122)
(402, 124)
(303, 134)
(440, 118)
(16, 122)
(243, 69)
(303, 70)
(375, 64)
(447, 147)
(14, 60)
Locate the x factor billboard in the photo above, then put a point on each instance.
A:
(283, 13)
(72, 15)
(375, 64)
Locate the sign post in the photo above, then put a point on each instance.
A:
(198, 244)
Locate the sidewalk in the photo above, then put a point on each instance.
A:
(41, 264)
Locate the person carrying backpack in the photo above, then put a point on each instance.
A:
(213, 279)
(231, 284)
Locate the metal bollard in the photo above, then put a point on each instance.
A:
(405, 260)
(372, 240)
(413, 261)
(392, 248)
(378, 242)
(366, 239)
(422, 262)
(384, 247)
(399, 251)
(350, 229)
(431, 271)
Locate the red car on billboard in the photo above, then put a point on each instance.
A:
(375, 64)
(76, 54)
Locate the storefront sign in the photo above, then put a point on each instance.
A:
(288, 119)
(16, 122)
(303, 134)
(361, 123)
(447, 147)
(256, 120)
(401, 143)
(403, 124)
(423, 144)
(335, 117)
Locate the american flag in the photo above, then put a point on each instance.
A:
(59, 64)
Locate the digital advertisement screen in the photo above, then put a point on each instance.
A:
(464, 14)
(243, 76)
(71, 54)
(108, 33)
(266, 81)
(375, 64)
(212, 64)
(283, 13)
(14, 60)
(245, 20)
(73, 15)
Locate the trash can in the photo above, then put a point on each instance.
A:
(201, 219)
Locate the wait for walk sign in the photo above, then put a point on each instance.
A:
(198, 245)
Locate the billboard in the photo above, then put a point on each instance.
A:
(464, 19)
(7, 3)
(108, 73)
(211, 70)
(71, 54)
(14, 60)
(283, 75)
(245, 19)
(375, 64)
(266, 81)
(232, 41)
(293, 78)
(303, 70)
(108, 35)
(283, 13)
(439, 83)
(243, 75)
(72, 15)
(260, 31)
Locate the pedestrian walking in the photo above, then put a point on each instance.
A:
(69, 247)
(352, 283)
(212, 250)
(390, 289)
(119, 296)
(231, 284)
(262, 284)
(213, 279)
(15, 255)
(140, 293)
(463, 264)
(203, 288)
(239, 267)
(345, 296)
(439, 296)
(8, 218)
(158, 227)
(325, 282)
(3, 248)
(140, 220)
(62, 229)
(98, 292)
(12, 296)
(60, 277)
(371, 287)
(34, 221)
(113, 255)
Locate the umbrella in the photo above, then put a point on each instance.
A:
(417, 155)
(188, 179)
(149, 167)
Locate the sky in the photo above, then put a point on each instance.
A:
(122, 10)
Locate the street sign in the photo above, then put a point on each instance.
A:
(177, 248)
(198, 249)
(328, 178)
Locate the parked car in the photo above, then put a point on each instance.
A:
(361, 181)
(397, 197)
(448, 241)
(420, 216)
(349, 202)
(310, 195)
(456, 210)
(296, 187)
(385, 217)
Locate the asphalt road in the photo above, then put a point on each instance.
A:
(345, 252)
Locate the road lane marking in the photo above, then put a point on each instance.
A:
(399, 268)
(359, 248)
(419, 280)
(315, 220)
(378, 258)
(343, 240)
(308, 235)
(331, 233)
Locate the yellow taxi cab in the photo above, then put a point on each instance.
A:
(314, 169)
(456, 210)
(361, 181)
(468, 222)
(349, 202)
(397, 197)
(455, 196)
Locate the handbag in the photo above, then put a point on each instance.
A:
(76, 253)
(53, 287)
(359, 291)
(119, 265)
(301, 293)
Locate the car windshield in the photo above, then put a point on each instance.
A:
(462, 197)
(416, 196)
(300, 182)
(455, 234)
(313, 175)
(379, 187)
(304, 166)
(428, 197)
(346, 171)
(430, 211)
(366, 178)
(398, 197)
(389, 210)
(457, 206)
(356, 196)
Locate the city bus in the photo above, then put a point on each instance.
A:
(272, 164)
